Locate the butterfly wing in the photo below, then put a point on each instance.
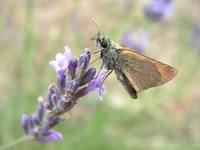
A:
(143, 72)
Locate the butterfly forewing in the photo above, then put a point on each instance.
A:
(144, 72)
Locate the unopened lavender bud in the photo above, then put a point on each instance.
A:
(81, 92)
(87, 60)
(35, 119)
(89, 75)
(82, 64)
(72, 67)
(73, 86)
(54, 99)
(68, 105)
(53, 120)
(87, 52)
(84, 60)
(41, 111)
(61, 84)
(25, 123)
(50, 102)
(31, 121)
(61, 107)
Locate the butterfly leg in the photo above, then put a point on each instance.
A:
(106, 75)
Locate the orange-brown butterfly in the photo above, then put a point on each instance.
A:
(135, 71)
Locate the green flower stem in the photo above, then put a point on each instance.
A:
(15, 142)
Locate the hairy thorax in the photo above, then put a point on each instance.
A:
(110, 57)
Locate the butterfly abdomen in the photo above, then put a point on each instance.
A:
(126, 84)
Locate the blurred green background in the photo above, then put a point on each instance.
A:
(166, 117)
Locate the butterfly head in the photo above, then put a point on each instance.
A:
(102, 41)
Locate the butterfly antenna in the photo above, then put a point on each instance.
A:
(95, 51)
(95, 24)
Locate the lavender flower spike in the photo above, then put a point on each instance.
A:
(74, 79)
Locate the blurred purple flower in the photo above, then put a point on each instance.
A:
(129, 41)
(196, 35)
(77, 79)
(157, 10)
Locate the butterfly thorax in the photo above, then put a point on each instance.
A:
(110, 56)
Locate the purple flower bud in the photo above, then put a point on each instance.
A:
(84, 59)
(73, 86)
(61, 84)
(87, 51)
(89, 75)
(83, 91)
(41, 111)
(25, 123)
(72, 67)
(35, 119)
(53, 120)
(53, 100)
(53, 94)
(65, 105)
(49, 98)
(60, 74)
(50, 136)
(31, 122)
(61, 106)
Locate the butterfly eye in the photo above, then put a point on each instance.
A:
(104, 43)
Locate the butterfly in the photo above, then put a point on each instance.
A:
(135, 71)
